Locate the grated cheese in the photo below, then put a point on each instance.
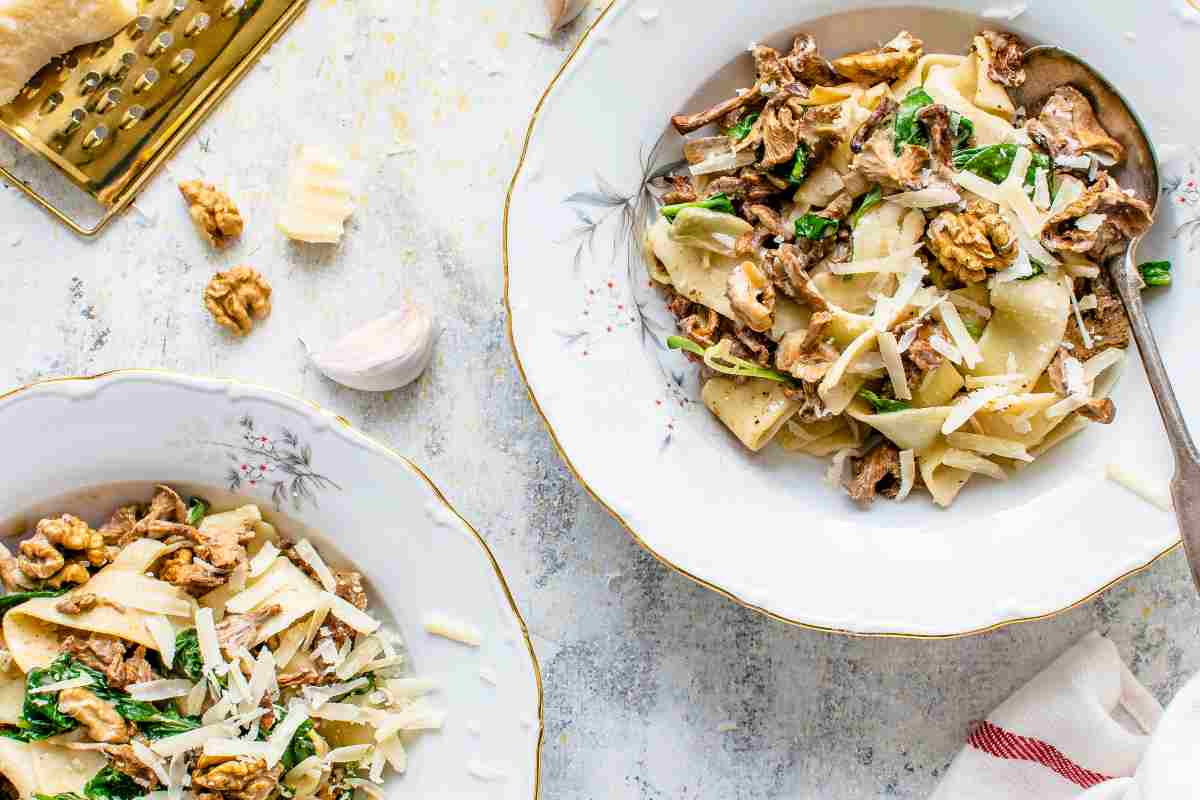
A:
(347, 613)
(194, 702)
(190, 740)
(1008, 379)
(969, 406)
(393, 750)
(966, 345)
(153, 691)
(342, 712)
(309, 554)
(1073, 162)
(348, 753)
(1139, 486)
(930, 197)
(407, 688)
(967, 304)
(1041, 190)
(898, 261)
(908, 473)
(989, 446)
(69, 683)
(219, 710)
(152, 760)
(359, 657)
(946, 349)
(1083, 331)
(327, 651)
(318, 696)
(238, 684)
(236, 747)
(890, 352)
(283, 732)
(1069, 190)
(262, 679)
(290, 642)
(316, 621)
(908, 337)
(176, 775)
(486, 772)
(1102, 361)
(206, 637)
(263, 559)
(416, 717)
(442, 625)
(971, 462)
(163, 633)
(1089, 223)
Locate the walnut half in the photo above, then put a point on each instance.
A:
(213, 212)
(238, 297)
(970, 243)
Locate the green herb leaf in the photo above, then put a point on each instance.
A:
(742, 129)
(865, 204)
(197, 510)
(798, 167)
(728, 364)
(188, 661)
(152, 722)
(813, 226)
(14, 599)
(908, 129)
(994, 162)
(883, 405)
(961, 130)
(112, 784)
(61, 796)
(1156, 273)
(1038, 269)
(973, 327)
(40, 717)
(718, 202)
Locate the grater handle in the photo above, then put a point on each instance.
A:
(36, 196)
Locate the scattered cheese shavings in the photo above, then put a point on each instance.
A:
(309, 554)
(262, 679)
(342, 712)
(1041, 190)
(1156, 497)
(407, 688)
(973, 382)
(1084, 333)
(367, 787)
(415, 717)
(318, 696)
(946, 349)
(347, 613)
(163, 633)
(282, 733)
(1069, 190)
(1089, 302)
(206, 637)
(238, 685)
(967, 304)
(888, 309)
(836, 474)
(236, 747)
(899, 261)
(485, 771)
(972, 462)
(69, 683)
(1073, 162)
(194, 702)
(1101, 361)
(190, 740)
(971, 354)
(263, 559)
(908, 337)
(359, 657)
(153, 691)
(176, 775)
(442, 625)
(930, 197)
(968, 406)
(989, 446)
(290, 642)
(889, 350)
(393, 750)
(908, 473)
(1001, 12)
(219, 710)
(152, 760)
(348, 753)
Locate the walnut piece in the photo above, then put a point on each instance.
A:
(196, 578)
(970, 243)
(74, 572)
(241, 778)
(101, 719)
(238, 297)
(39, 559)
(213, 212)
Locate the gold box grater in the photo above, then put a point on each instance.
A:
(108, 115)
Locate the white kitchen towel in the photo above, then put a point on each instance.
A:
(1081, 730)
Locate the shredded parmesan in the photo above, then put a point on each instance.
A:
(163, 633)
(968, 406)
(359, 657)
(306, 551)
(1068, 191)
(342, 712)
(973, 382)
(318, 696)
(176, 774)
(890, 352)
(889, 309)
(347, 613)
(1139, 486)
(1102, 361)
(236, 747)
(457, 630)
(908, 337)
(898, 261)
(393, 750)
(316, 621)
(836, 474)
(194, 702)
(263, 559)
(348, 753)
(931, 197)
(971, 462)
(69, 683)
(190, 740)
(219, 710)
(1083, 331)
(151, 759)
(262, 679)
(408, 688)
(416, 717)
(153, 691)
(486, 772)
(908, 473)
(966, 345)
(206, 637)
(290, 642)
(1041, 190)
(281, 735)
(1073, 162)
(946, 349)
(989, 446)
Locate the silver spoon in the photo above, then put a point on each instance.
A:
(1046, 69)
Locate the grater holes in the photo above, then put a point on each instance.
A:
(52, 101)
(95, 137)
(89, 83)
(174, 9)
(182, 61)
(139, 27)
(159, 44)
(197, 24)
(145, 81)
(120, 68)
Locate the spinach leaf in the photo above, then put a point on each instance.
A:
(908, 129)
(300, 748)
(112, 784)
(797, 168)
(718, 202)
(994, 162)
(1156, 273)
(742, 129)
(730, 365)
(152, 722)
(883, 405)
(868, 201)
(40, 717)
(197, 510)
(61, 796)
(812, 226)
(188, 661)
(14, 599)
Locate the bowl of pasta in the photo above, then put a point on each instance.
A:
(828, 327)
(216, 589)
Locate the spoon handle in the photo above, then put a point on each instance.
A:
(1185, 485)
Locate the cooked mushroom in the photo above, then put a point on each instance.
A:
(1067, 126)
(888, 63)
(751, 296)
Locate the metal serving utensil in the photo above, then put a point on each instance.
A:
(1047, 68)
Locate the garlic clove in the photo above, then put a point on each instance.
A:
(382, 355)
(563, 11)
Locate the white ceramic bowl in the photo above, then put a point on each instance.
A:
(765, 529)
(87, 443)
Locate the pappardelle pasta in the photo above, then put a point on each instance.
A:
(881, 260)
(175, 653)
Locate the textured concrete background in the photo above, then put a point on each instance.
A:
(655, 688)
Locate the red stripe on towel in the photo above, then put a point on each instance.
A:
(996, 741)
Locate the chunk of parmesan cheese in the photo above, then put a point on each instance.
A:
(206, 637)
(347, 613)
(190, 740)
(445, 626)
(318, 198)
(968, 406)
(153, 691)
(68, 683)
(1090, 223)
(347, 753)
(281, 735)
(1155, 496)
(1098, 363)
(972, 462)
(393, 750)
(929, 197)
(343, 712)
(163, 633)
(263, 559)
(311, 557)
(485, 771)
(908, 473)
(359, 657)
(418, 716)
(236, 747)
(889, 350)
(971, 354)
(152, 760)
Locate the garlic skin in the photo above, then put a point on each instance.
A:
(382, 355)
(563, 11)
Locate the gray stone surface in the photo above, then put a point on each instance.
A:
(655, 687)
